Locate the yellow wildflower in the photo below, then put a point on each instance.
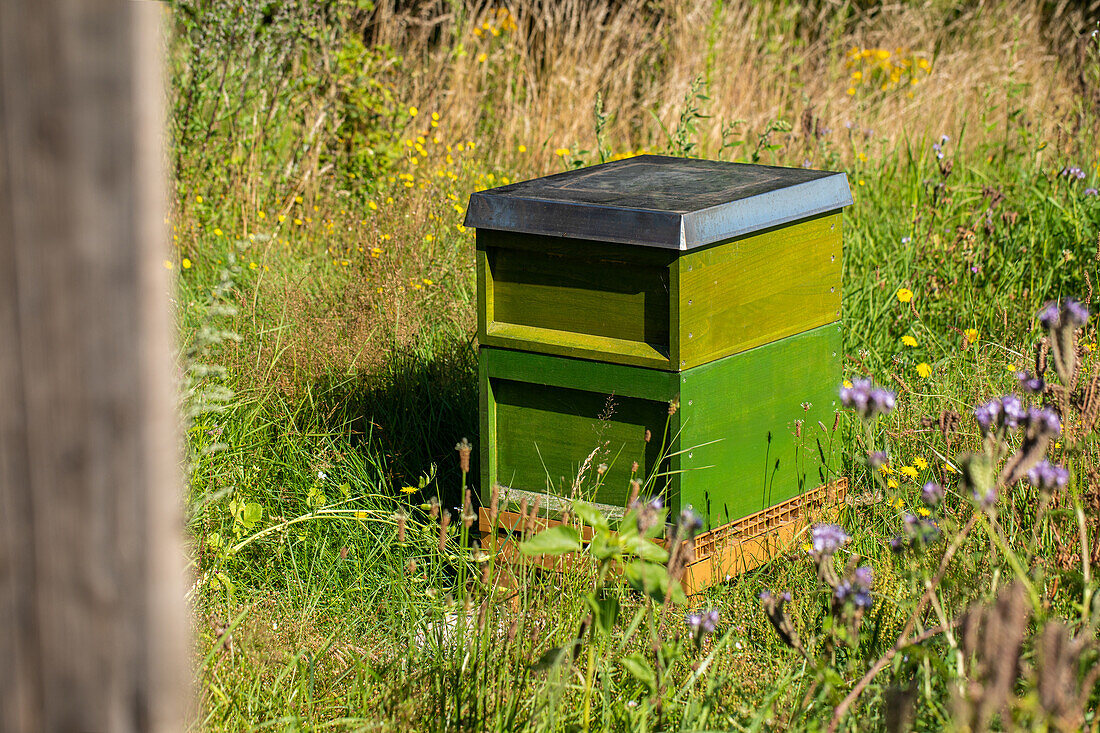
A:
(408, 489)
(561, 152)
(885, 470)
(261, 215)
(427, 281)
(168, 265)
(892, 484)
(920, 463)
(372, 206)
(971, 335)
(924, 370)
(282, 218)
(297, 221)
(482, 57)
(904, 295)
(413, 111)
(862, 157)
(218, 232)
(186, 264)
(198, 199)
(923, 511)
(909, 471)
(252, 265)
(847, 384)
(522, 148)
(908, 340)
(1010, 367)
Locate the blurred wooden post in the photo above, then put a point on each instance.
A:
(92, 616)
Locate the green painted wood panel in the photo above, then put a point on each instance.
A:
(545, 434)
(757, 289)
(574, 298)
(750, 403)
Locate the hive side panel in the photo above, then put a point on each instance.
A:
(757, 289)
(741, 453)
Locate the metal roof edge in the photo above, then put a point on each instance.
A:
(552, 218)
(745, 216)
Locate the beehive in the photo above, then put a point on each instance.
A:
(678, 313)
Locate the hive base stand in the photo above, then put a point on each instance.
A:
(719, 554)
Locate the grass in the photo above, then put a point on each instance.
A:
(326, 318)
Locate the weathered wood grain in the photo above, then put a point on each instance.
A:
(92, 617)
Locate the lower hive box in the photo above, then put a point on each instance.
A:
(727, 439)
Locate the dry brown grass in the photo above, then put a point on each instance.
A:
(761, 60)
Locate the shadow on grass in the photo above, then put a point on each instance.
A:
(410, 414)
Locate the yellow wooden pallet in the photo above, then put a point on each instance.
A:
(725, 551)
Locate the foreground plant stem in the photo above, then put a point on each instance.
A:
(904, 640)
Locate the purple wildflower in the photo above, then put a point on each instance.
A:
(1090, 191)
(986, 500)
(905, 240)
(866, 401)
(1029, 384)
(918, 531)
(1050, 316)
(1075, 314)
(931, 494)
(1012, 411)
(691, 521)
(1044, 420)
(877, 458)
(856, 587)
(1007, 412)
(827, 539)
(701, 625)
(649, 514)
(1072, 172)
(988, 415)
(1047, 476)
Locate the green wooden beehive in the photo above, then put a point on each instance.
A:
(609, 293)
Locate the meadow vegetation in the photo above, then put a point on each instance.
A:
(323, 153)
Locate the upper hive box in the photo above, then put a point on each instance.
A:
(660, 262)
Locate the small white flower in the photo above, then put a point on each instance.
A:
(322, 475)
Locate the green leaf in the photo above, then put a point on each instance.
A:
(637, 666)
(653, 580)
(591, 516)
(646, 549)
(252, 514)
(554, 541)
(603, 546)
